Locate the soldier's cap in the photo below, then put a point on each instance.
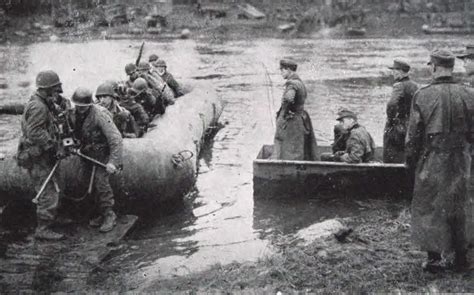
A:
(399, 64)
(469, 52)
(344, 113)
(288, 63)
(152, 57)
(442, 57)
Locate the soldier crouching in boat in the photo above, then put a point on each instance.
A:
(294, 136)
(359, 145)
(99, 139)
(398, 112)
(123, 119)
(438, 149)
(39, 149)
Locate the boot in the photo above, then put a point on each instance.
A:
(43, 232)
(110, 220)
(96, 222)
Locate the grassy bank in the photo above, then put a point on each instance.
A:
(377, 257)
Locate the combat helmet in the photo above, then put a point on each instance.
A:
(47, 79)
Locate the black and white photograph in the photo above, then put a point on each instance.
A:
(236, 146)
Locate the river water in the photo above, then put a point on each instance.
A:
(223, 223)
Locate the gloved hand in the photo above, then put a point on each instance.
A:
(111, 169)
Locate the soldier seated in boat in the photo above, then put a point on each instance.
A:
(157, 85)
(360, 146)
(161, 68)
(143, 95)
(122, 118)
(468, 58)
(100, 140)
(132, 73)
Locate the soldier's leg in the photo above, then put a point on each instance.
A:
(48, 201)
(46, 208)
(105, 199)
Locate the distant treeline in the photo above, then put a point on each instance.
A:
(46, 6)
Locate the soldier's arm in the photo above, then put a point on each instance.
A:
(37, 117)
(173, 84)
(354, 152)
(289, 94)
(138, 112)
(414, 137)
(114, 139)
(392, 105)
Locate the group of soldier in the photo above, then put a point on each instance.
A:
(52, 130)
(429, 128)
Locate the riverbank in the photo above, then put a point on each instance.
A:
(40, 28)
(377, 256)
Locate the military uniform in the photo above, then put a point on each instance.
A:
(294, 137)
(36, 151)
(173, 84)
(137, 111)
(438, 145)
(360, 146)
(398, 112)
(101, 140)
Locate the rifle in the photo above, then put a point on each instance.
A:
(48, 179)
(140, 53)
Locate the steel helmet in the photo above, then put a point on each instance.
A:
(152, 57)
(139, 85)
(104, 89)
(143, 65)
(160, 63)
(130, 68)
(47, 79)
(82, 97)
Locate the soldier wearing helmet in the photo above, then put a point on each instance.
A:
(157, 85)
(161, 68)
(143, 95)
(132, 73)
(38, 149)
(107, 98)
(100, 139)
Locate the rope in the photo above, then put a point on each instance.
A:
(178, 158)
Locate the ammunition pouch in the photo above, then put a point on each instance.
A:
(27, 153)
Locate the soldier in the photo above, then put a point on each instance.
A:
(38, 149)
(132, 73)
(294, 136)
(157, 86)
(398, 112)
(160, 66)
(438, 148)
(152, 58)
(122, 118)
(101, 140)
(359, 145)
(468, 58)
(142, 94)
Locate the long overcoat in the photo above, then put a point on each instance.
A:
(294, 136)
(438, 147)
(398, 112)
